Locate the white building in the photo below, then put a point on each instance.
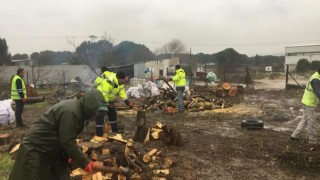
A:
(295, 53)
(161, 68)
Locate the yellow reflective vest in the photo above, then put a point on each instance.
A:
(110, 88)
(309, 97)
(103, 76)
(179, 78)
(14, 91)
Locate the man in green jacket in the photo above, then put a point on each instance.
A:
(51, 140)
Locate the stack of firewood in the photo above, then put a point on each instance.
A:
(128, 159)
(199, 99)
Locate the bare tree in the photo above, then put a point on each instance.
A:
(84, 59)
(107, 37)
(36, 72)
(174, 47)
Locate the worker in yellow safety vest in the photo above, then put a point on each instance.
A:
(104, 74)
(110, 87)
(19, 95)
(310, 101)
(180, 81)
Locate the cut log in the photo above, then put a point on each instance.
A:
(105, 169)
(98, 139)
(226, 86)
(4, 139)
(84, 149)
(15, 148)
(158, 125)
(140, 163)
(148, 155)
(93, 145)
(97, 176)
(168, 161)
(135, 176)
(233, 91)
(118, 137)
(162, 171)
(142, 134)
(141, 118)
(134, 165)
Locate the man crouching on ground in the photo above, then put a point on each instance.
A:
(44, 151)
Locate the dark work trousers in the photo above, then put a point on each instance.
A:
(19, 111)
(100, 123)
(112, 116)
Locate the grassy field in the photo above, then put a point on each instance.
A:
(6, 164)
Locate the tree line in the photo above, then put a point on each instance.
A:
(104, 52)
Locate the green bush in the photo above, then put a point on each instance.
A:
(6, 164)
(315, 65)
(303, 65)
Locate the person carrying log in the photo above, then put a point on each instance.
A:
(112, 86)
(180, 81)
(51, 141)
(310, 101)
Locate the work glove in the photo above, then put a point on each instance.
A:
(88, 168)
(24, 100)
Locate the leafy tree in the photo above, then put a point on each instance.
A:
(19, 56)
(267, 60)
(128, 52)
(75, 60)
(46, 58)
(35, 56)
(229, 59)
(96, 53)
(303, 65)
(4, 53)
(315, 65)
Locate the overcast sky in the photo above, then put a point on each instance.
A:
(251, 27)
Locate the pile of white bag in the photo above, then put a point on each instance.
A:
(149, 89)
(6, 112)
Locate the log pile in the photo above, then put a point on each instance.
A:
(124, 158)
(199, 99)
(121, 157)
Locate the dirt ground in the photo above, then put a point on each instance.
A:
(216, 147)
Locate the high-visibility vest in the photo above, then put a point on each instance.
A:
(14, 91)
(110, 87)
(309, 96)
(180, 78)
